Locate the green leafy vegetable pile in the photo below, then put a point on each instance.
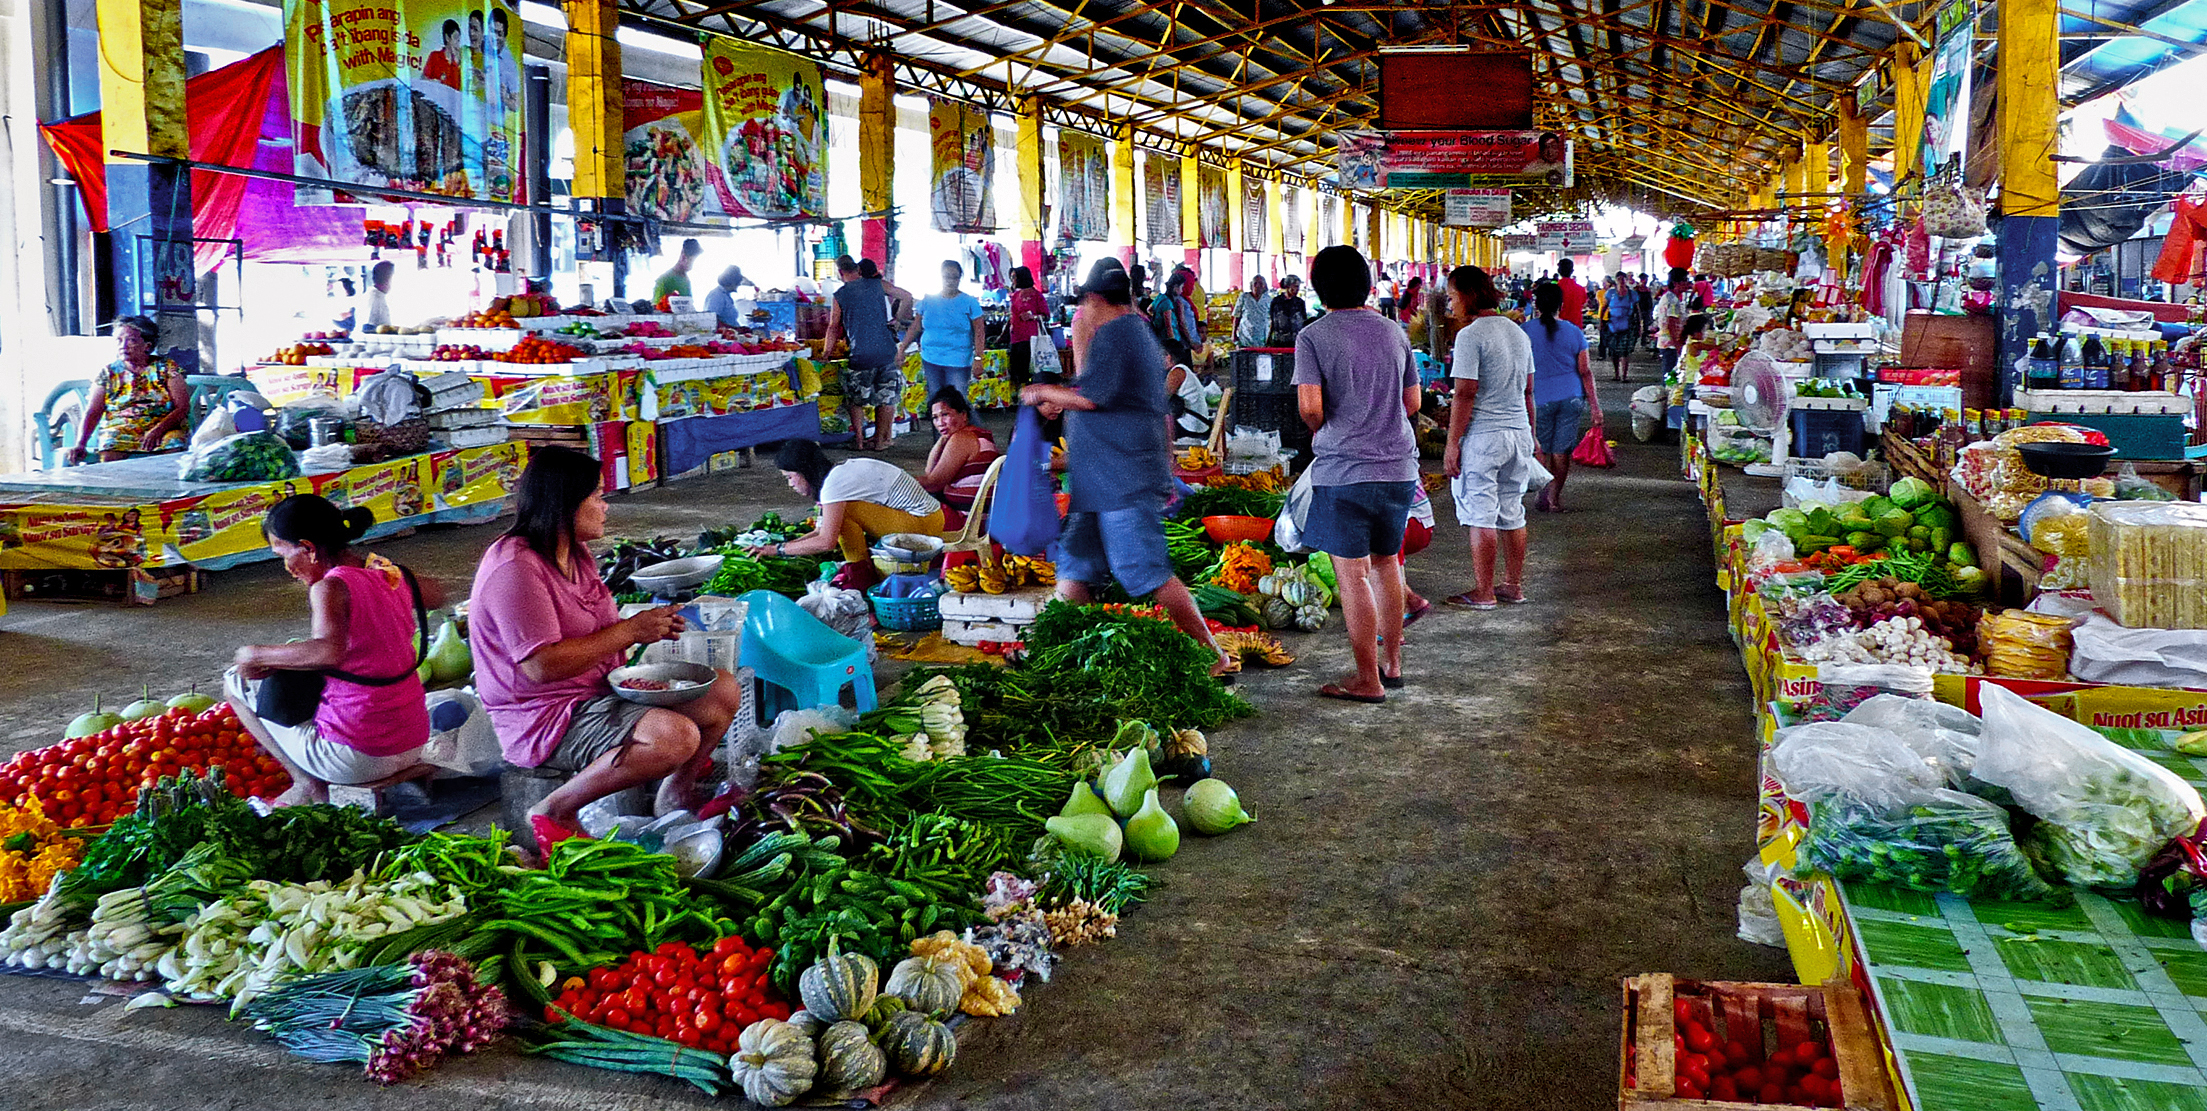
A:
(740, 572)
(1148, 669)
(1226, 501)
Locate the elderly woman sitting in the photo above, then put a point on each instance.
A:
(138, 403)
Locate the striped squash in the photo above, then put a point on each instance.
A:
(918, 1046)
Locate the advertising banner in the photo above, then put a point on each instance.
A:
(1084, 185)
(962, 190)
(765, 132)
(1210, 206)
(1291, 221)
(1475, 208)
(1451, 159)
(571, 399)
(1161, 200)
(423, 95)
(1328, 231)
(668, 171)
(1252, 215)
(1567, 237)
(1946, 99)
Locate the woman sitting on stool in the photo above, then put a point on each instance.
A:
(546, 633)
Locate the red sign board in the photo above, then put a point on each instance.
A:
(1451, 159)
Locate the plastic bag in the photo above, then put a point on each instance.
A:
(246, 457)
(294, 422)
(2103, 810)
(460, 734)
(1946, 736)
(218, 425)
(1287, 530)
(1863, 762)
(1758, 915)
(1952, 210)
(327, 458)
(1024, 515)
(2132, 486)
(1593, 450)
(845, 611)
(1841, 687)
(795, 727)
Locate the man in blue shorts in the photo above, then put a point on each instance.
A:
(1118, 455)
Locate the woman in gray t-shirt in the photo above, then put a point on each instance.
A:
(1490, 435)
(1356, 385)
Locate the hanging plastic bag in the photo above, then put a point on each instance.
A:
(1287, 530)
(1024, 515)
(2103, 810)
(1593, 450)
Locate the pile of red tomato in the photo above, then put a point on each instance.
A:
(700, 999)
(1799, 1072)
(92, 780)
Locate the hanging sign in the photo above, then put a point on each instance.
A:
(1253, 214)
(1291, 220)
(765, 132)
(1475, 208)
(1947, 94)
(1084, 185)
(1566, 237)
(422, 95)
(963, 190)
(1521, 243)
(1210, 206)
(1161, 197)
(668, 170)
(1451, 159)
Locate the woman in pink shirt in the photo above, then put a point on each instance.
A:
(545, 634)
(364, 628)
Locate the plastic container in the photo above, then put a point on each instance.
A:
(1264, 370)
(915, 614)
(1271, 412)
(1226, 529)
(1819, 432)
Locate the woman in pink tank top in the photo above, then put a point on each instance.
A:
(364, 625)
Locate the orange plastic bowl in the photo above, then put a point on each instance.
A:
(1226, 530)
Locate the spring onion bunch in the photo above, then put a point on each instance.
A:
(394, 1019)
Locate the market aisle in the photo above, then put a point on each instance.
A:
(1432, 910)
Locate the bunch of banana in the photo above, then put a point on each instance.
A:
(1009, 573)
(964, 578)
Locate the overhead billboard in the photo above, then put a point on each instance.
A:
(1475, 208)
(1451, 159)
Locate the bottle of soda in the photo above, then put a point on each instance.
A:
(2045, 366)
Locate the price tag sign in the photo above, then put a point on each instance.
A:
(679, 304)
(1475, 208)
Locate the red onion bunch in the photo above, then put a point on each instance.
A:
(395, 1019)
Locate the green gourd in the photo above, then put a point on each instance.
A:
(1124, 783)
(1151, 834)
(1085, 800)
(773, 1062)
(918, 1046)
(929, 985)
(192, 701)
(1094, 835)
(849, 1060)
(146, 707)
(840, 986)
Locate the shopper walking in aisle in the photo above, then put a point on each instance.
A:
(369, 722)
(1289, 313)
(1356, 388)
(1415, 323)
(1574, 295)
(1173, 316)
(1646, 298)
(871, 380)
(1253, 315)
(1118, 457)
(948, 328)
(1621, 328)
(1563, 389)
(1490, 436)
(546, 633)
(1028, 314)
(1670, 318)
(1386, 292)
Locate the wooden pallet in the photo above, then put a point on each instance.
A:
(135, 586)
(1760, 1015)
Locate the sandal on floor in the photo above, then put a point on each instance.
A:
(549, 832)
(1391, 682)
(1411, 618)
(1511, 593)
(1468, 602)
(1335, 692)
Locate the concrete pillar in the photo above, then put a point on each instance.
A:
(1908, 93)
(1028, 156)
(2030, 192)
(594, 113)
(1275, 233)
(1237, 220)
(149, 204)
(1191, 212)
(877, 151)
(1124, 196)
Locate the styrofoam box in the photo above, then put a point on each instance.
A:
(460, 438)
(489, 339)
(958, 631)
(1020, 606)
(2102, 401)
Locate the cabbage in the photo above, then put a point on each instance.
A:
(1213, 808)
(1911, 492)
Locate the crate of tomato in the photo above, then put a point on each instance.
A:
(1718, 1046)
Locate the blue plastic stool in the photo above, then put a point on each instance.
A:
(801, 663)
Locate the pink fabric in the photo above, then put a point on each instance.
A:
(379, 643)
(1026, 301)
(520, 605)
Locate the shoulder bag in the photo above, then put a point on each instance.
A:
(290, 698)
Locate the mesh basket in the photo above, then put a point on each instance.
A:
(920, 613)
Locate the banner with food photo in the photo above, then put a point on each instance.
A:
(1210, 206)
(765, 132)
(962, 187)
(664, 149)
(423, 95)
(1084, 185)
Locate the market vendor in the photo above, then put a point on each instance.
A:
(963, 453)
(861, 501)
(676, 281)
(371, 719)
(138, 402)
(545, 634)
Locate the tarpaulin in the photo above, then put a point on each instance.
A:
(238, 115)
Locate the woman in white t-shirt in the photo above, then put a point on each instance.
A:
(1490, 435)
(861, 501)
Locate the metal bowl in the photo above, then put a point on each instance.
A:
(693, 673)
(696, 851)
(675, 574)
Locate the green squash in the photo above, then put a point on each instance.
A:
(842, 985)
(773, 1063)
(918, 1046)
(849, 1060)
(929, 985)
(885, 1008)
(804, 1020)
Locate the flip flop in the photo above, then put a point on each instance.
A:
(1391, 682)
(1334, 692)
(1411, 618)
(1468, 602)
(550, 832)
(1515, 597)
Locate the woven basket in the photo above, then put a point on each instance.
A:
(407, 437)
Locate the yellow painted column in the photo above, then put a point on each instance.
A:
(1237, 224)
(1854, 149)
(1377, 230)
(1125, 198)
(1028, 155)
(1908, 94)
(877, 146)
(141, 49)
(1191, 212)
(1275, 233)
(1816, 160)
(2030, 194)
(1348, 222)
(594, 99)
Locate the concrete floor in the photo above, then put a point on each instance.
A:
(1433, 909)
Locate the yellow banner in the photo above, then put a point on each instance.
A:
(766, 131)
(410, 94)
(572, 399)
(962, 189)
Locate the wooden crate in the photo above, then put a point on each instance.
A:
(131, 586)
(1761, 1015)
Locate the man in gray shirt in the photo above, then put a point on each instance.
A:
(872, 380)
(1118, 456)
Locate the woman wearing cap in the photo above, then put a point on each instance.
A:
(138, 402)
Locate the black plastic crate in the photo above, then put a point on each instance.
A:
(1271, 412)
(1265, 370)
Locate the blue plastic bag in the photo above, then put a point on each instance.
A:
(1023, 517)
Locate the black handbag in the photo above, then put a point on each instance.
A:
(289, 698)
